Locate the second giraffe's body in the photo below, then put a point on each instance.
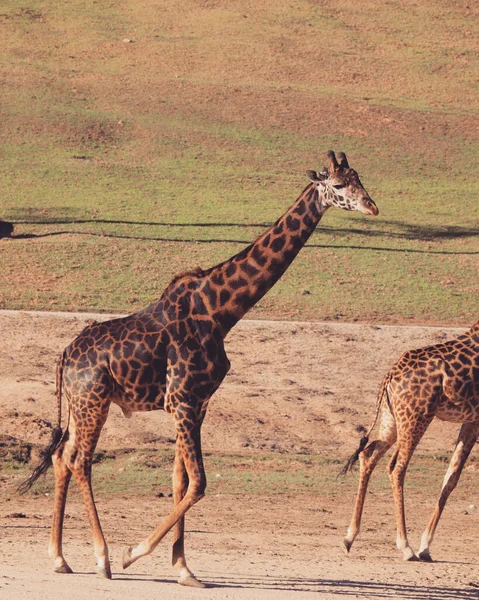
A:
(171, 356)
(437, 381)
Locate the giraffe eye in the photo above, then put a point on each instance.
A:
(340, 186)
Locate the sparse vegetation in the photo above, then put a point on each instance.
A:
(136, 144)
(145, 472)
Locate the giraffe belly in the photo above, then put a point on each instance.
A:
(458, 412)
(142, 399)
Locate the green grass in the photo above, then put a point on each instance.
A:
(146, 473)
(125, 162)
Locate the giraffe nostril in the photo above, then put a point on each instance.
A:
(369, 204)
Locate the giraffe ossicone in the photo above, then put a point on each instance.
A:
(171, 356)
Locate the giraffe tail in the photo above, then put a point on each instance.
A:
(56, 439)
(365, 439)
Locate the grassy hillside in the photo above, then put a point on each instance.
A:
(139, 139)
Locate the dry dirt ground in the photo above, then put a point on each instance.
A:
(293, 387)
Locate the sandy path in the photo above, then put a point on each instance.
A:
(294, 387)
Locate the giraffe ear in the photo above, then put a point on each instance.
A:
(315, 176)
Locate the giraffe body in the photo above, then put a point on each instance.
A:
(435, 381)
(171, 356)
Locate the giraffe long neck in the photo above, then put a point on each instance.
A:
(240, 282)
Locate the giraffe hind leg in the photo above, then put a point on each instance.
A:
(78, 456)
(368, 459)
(62, 480)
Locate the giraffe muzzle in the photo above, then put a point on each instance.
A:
(369, 208)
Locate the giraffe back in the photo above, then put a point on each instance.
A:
(441, 380)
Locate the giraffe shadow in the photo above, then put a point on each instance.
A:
(74, 221)
(390, 229)
(245, 242)
(212, 240)
(340, 587)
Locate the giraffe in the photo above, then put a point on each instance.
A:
(171, 356)
(435, 381)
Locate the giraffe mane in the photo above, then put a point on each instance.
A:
(196, 272)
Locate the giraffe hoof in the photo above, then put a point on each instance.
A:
(63, 568)
(104, 571)
(126, 558)
(347, 546)
(191, 581)
(410, 556)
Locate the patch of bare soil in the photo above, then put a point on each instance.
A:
(293, 387)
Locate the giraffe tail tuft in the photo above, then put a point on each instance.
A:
(45, 462)
(349, 466)
(365, 439)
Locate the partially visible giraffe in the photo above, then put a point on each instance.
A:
(171, 356)
(436, 381)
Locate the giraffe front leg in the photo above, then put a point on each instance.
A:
(409, 436)
(180, 486)
(466, 440)
(189, 445)
(55, 547)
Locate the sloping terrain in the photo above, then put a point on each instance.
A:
(295, 388)
(140, 139)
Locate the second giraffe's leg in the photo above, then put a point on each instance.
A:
(408, 439)
(467, 438)
(180, 486)
(189, 442)
(62, 479)
(368, 459)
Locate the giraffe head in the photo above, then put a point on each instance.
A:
(339, 185)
